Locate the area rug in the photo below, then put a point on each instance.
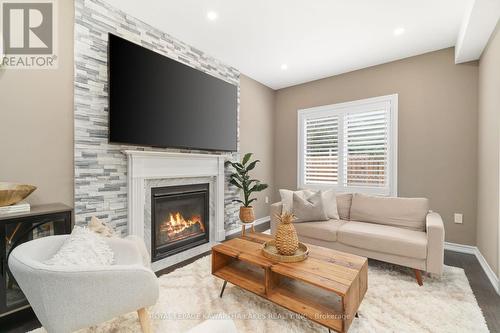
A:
(394, 303)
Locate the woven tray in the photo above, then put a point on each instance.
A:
(270, 251)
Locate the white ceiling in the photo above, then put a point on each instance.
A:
(316, 39)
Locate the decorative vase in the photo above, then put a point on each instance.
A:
(286, 238)
(12, 193)
(246, 214)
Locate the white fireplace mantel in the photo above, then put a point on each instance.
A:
(144, 165)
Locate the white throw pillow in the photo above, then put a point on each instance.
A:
(328, 196)
(287, 198)
(83, 248)
(330, 203)
(309, 208)
(104, 229)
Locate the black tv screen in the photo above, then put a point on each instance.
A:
(157, 101)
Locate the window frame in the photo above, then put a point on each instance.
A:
(389, 103)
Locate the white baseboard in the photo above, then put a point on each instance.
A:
(461, 248)
(469, 249)
(256, 223)
(495, 282)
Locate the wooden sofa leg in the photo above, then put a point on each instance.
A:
(144, 320)
(418, 276)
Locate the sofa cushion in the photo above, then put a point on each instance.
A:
(310, 208)
(344, 201)
(322, 230)
(384, 238)
(407, 213)
(287, 198)
(328, 196)
(330, 203)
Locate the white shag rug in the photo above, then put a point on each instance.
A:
(394, 303)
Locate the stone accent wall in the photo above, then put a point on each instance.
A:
(100, 167)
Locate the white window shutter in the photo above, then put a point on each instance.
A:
(366, 148)
(321, 151)
(350, 146)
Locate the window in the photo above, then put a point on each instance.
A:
(351, 146)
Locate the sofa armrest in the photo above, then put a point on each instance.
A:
(276, 209)
(435, 243)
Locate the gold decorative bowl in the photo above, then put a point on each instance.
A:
(270, 251)
(11, 193)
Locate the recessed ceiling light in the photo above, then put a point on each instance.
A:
(284, 67)
(211, 15)
(399, 31)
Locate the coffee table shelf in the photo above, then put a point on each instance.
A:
(327, 288)
(325, 309)
(247, 278)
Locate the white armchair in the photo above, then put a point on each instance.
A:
(66, 299)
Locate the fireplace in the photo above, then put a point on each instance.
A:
(179, 219)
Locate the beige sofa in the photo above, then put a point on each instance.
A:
(401, 231)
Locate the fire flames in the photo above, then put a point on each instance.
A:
(176, 226)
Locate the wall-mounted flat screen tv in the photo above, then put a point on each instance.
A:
(157, 101)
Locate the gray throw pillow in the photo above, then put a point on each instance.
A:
(309, 208)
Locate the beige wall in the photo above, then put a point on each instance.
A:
(437, 129)
(256, 135)
(488, 153)
(36, 122)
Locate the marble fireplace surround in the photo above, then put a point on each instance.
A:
(148, 169)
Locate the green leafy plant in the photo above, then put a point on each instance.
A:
(241, 179)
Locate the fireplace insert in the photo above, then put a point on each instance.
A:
(179, 219)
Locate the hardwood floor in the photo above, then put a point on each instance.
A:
(19, 322)
(486, 296)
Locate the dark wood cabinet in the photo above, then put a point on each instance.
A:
(15, 229)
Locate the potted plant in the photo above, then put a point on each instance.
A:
(241, 179)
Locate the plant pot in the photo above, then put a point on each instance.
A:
(246, 214)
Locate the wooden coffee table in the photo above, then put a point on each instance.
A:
(327, 287)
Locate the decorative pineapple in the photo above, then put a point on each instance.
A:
(286, 238)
